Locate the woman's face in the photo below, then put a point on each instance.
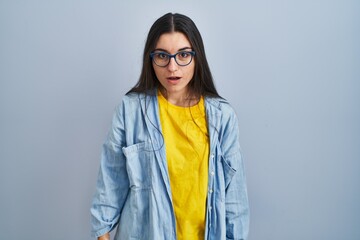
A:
(174, 78)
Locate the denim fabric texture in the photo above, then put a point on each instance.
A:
(133, 188)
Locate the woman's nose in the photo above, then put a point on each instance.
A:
(172, 66)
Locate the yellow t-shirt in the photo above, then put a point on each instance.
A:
(187, 152)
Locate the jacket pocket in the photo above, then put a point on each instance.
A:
(138, 162)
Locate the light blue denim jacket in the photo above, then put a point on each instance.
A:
(133, 188)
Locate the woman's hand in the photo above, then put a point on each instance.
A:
(106, 236)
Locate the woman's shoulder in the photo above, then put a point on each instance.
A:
(134, 100)
(135, 96)
(129, 97)
(223, 113)
(222, 109)
(220, 104)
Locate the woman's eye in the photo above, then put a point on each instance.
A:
(162, 55)
(184, 54)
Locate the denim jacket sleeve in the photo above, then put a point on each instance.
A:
(236, 198)
(112, 183)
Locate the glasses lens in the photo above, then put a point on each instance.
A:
(183, 58)
(161, 59)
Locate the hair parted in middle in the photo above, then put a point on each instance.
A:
(202, 83)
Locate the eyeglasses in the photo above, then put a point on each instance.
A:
(162, 59)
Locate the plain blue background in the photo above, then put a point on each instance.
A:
(291, 69)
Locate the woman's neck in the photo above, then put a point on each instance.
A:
(181, 99)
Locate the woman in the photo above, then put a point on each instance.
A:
(171, 166)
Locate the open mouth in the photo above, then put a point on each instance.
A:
(173, 78)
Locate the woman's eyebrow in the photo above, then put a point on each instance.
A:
(160, 50)
(163, 50)
(184, 48)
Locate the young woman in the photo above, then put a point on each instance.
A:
(171, 166)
